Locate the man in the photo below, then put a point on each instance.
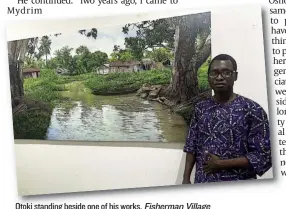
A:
(228, 137)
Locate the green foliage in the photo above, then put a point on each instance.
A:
(159, 55)
(45, 87)
(203, 76)
(83, 62)
(31, 125)
(64, 59)
(45, 46)
(131, 80)
(117, 81)
(31, 62)
(33, 57)
(82, 49)
(149, 34)
(121, 55)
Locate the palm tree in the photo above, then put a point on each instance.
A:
(81, 49)
(45, 47)
(92, 33)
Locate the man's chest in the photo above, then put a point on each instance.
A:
(223, 125)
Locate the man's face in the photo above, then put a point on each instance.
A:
(221, 76)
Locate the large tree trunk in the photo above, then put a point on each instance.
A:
(184, 82)
(16, 53)
(16, 84)
(204, 52)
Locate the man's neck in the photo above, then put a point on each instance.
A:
(224, 97)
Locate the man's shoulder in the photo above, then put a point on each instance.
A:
(204, 103)
(250, 103)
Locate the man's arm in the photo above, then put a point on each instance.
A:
(259, 148)
(241, 162)
(189, 165)
(190, 148)
(215, 164)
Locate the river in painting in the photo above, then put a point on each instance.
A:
(87, 117)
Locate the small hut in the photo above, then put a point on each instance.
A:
(128, 66)
(31, 72)
(103, 70)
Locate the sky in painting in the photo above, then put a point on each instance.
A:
(106, 39)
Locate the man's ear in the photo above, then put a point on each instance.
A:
(235, 76)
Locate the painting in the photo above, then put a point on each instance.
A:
(131, 82)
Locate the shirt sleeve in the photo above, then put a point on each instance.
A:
(259, 153)
(191, 140)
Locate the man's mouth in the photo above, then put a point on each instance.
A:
(219, 84)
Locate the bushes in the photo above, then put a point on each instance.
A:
(45, 87)
(31, 125)
(117, 81)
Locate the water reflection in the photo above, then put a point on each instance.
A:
(114, 118)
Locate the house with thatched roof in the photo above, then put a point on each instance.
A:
(103, 70)
(127, 66)
(31, 72)
(131, 66)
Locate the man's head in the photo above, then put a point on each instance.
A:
(222, 73)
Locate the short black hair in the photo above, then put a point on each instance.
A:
(224, 57)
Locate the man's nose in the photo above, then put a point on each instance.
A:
(219, 77)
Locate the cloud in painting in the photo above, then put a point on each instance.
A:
(106, 39)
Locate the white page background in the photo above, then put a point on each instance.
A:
(254, 194)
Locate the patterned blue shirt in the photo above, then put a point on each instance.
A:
(239, 128)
